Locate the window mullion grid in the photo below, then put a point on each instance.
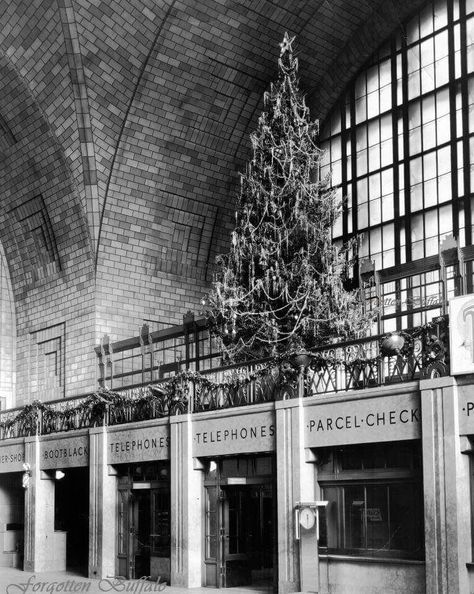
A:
(452, 121)
(344, 212)
(465, 140)
(406, 157)
(352, 131)
(396, 157)
(406, 148)
(396, 176)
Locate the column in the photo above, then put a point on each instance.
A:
(102, 506)
(186, 506)
(40, 550)
(446, 490)
(297, 560)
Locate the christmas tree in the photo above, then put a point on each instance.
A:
(280, 289)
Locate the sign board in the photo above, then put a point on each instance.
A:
(12, 457)
(66, 452)
(374, 514)
(234, 434)
(138, 445)
(389, 418)
(461, 334)
(466, 410)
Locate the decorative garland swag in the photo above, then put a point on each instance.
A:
(172, 396)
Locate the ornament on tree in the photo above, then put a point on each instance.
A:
(280, 288)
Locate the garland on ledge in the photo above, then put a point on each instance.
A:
(172, 396)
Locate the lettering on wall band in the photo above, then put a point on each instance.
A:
(230, 434)
(371, 419)
(10, 458)
(70, 452)
(136, 445)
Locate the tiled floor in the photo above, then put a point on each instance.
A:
(14, 581)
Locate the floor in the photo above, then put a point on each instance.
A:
(14, 581)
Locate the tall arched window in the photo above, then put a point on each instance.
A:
(400, 145)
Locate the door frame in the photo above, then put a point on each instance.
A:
(215, 567)
(126, 518)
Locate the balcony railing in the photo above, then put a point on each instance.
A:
(404, 356)
(400, 357)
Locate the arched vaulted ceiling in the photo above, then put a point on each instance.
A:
(149, 105)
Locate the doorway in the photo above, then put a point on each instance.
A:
(240, 530)
(143, 547)
(12, 516)
(71, 515)
(140, 533)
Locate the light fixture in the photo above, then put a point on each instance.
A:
(58, 475)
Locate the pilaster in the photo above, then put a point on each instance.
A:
(297, 560)
(41, 553)
(186, 506)
(102, 508)
(446, 490)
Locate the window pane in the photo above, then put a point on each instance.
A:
(363, 216)
(442, 72)
(377, 518)
(387, 207)
(354, 512)
(441, 45)
(428, 108)
(406, 519)
(427, 52)
(428, 78)
(429, 165)
(385, 73)
(360, 110)
(329, 537)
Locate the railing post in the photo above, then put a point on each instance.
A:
(106, 416)
(191, 392)
(188, 323)
(302, 360)
(106, 353)
(39, 421)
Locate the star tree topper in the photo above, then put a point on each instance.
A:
(285, 45)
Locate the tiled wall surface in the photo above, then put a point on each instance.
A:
(123, 126)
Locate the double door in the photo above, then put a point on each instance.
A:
(239, 535)
(143, 534)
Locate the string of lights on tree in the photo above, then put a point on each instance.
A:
(280, 287)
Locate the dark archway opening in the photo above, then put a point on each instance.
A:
(72, 516)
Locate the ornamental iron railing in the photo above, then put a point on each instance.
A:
(417, 353)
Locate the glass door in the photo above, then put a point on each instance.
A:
(240, 523)
(235, 538)
(140, 534)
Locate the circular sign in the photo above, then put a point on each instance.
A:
(307, 518)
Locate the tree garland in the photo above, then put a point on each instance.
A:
(280, 287)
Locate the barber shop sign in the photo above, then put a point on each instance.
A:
(461, 334)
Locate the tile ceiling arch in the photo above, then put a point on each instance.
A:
(42, 223)
(175, 87)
